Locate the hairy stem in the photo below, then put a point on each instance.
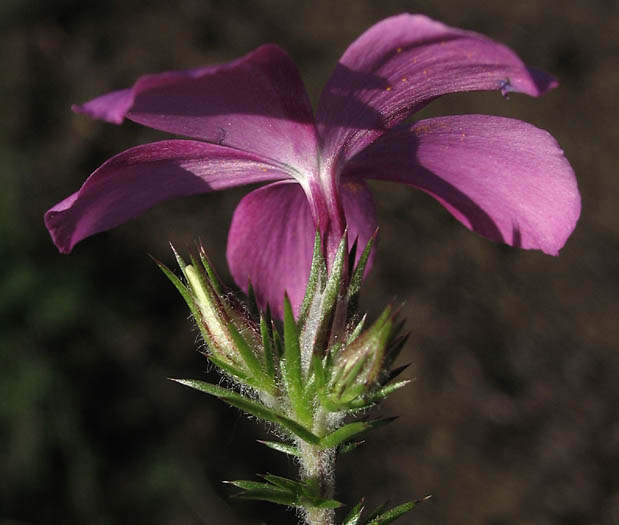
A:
(317, 468)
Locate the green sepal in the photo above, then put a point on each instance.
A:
(252, 303)
(352, 429)
(179, 260)
(284, 448)
(395, 372)
(318, 371)
(252, 407)
(278, 344)
(391, 515)
(253, 363)
(267, 344)
(293, 372)
(186, 294)
(395, 347)
(357, 330)
(212, 275)
(357, 276)
(310, 390)
(318, 273)
(205, 283)
(333, 288)
(353, 517)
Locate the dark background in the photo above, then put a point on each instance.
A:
(512, 418)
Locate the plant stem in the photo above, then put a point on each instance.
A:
(317, 467)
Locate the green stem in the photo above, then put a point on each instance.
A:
(317, 467)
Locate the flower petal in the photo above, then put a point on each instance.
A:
(271, 239)
(257, 103)
(271, 242)
(402, 63)
(137, 179)
(360, 212)
(502, 178)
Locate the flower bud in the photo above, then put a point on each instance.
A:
(358, 366)
(233, 339)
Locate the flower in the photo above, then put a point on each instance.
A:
(251, 121)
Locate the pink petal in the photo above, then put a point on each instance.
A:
(360, 213)
(137, 179)
(257, 103)
(271, 242)
(272, 236)
(402, 63)
(502, 178)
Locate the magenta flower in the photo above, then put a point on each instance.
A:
(250, 121)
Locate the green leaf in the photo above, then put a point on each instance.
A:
(271, 494)
(354, 515)
(249, 358)
(352, 429)
(284, 491)
(324, 504)
(240, 375)
(281, 447)
(252, 407)
(357, 276)
(345, 448)
(247, 484)
(231, 370)
(378, 510)
(285, 483)
(293, 373)
(267, 344)
(383, 392)
(391, 515)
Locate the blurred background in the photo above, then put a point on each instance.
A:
(513, 415)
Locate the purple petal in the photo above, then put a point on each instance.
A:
(137, 179)
(271, 242)
(360, 213)
(257, 103)
(272, 236)
(502, 178)
(402, 63)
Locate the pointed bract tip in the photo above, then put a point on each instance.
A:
(179, 260)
